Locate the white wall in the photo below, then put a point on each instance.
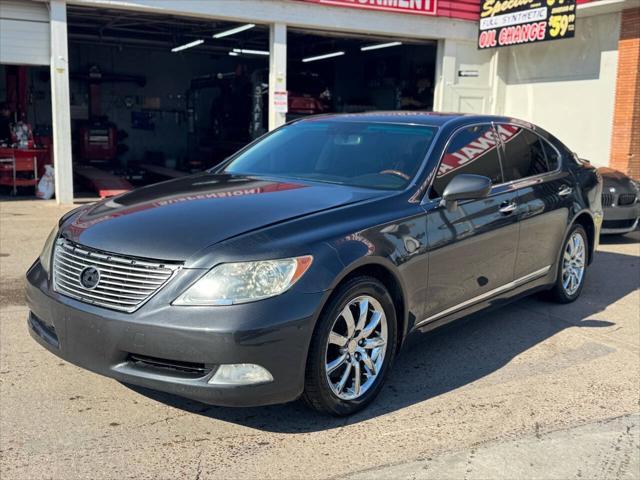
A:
(304, 15)
(567, 86)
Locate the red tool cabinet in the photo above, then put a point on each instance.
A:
(22, 167)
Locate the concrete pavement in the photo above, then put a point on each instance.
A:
(605, 449)
(534, 390)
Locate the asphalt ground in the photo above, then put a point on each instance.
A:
(534, 390)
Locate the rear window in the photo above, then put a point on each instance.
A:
(553, 157)
(524, 153)
(370, 155)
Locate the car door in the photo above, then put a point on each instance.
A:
(472, 249)
(545, 195)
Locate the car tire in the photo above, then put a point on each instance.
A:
(575, 252)
(322, 390)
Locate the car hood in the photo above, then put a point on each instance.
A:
(176, 219)
(614, 179)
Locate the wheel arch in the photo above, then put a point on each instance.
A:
(384, 271)
(585, 218)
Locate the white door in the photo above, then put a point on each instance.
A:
(24, 33)
(466, 78)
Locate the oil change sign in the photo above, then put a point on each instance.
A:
(514, 22)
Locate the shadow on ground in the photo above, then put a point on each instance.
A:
(633, 237)
(467, 350)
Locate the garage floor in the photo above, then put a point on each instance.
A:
(534, 390)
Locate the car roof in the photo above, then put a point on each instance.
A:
(436, 119)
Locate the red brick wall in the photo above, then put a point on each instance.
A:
(625, 140)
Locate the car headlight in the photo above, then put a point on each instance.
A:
(47, 250)
(636, 185)
(233, 283)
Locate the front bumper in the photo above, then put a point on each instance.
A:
(273, 333)
(621, 219)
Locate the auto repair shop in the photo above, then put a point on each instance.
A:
(122, 93)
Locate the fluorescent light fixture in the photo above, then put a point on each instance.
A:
(250, 52)
(234, 30)
(188, 45)
(234, 54)
(322, 57)
(380, 45)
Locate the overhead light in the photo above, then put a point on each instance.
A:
(234, 30)
(234, 54)
(322, 57)
(188, 45)
(380, 45)
(250, 52)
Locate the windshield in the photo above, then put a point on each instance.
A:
(370, 155)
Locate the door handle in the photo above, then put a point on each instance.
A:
(564, 191)
(508, 207)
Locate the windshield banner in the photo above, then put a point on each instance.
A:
(513, 22)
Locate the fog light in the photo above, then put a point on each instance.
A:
(240, 374)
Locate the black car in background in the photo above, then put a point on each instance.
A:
(620, 202)
(300, 266)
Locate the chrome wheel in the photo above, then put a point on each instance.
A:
(573, 263)
(356, 348)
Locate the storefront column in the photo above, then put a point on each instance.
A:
(60, 108)
(277, 72)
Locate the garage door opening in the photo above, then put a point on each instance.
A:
(25, 127)
(156, 97)
(331, 73)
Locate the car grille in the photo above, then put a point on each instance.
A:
(121, 283)
(607, 199)
(626, 199)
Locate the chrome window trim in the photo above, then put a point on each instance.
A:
(513, 184)
(484, 296)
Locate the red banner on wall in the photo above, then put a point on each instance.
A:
(415, 7)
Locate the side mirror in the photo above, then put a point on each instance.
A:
(465, 187)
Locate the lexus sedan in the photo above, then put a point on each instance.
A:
(620, 202)
(299, 267)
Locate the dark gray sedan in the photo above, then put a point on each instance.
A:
(620, 202)
(300, 266)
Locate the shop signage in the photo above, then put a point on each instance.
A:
(416, 7)
(280, 101)
(514, 22)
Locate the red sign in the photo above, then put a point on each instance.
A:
(415, 7)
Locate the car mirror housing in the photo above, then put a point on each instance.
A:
(465, 187)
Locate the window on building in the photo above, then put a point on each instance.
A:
(472, 150)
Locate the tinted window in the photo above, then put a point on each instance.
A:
(371, 155)
(553, 157)
(472, 150)
(523, 153)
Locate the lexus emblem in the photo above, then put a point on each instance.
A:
(89, 277)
